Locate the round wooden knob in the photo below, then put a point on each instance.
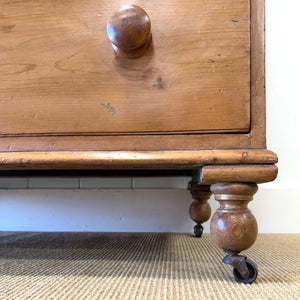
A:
(129, 30)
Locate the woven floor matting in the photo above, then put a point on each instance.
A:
(141, 266)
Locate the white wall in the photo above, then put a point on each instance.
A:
(283, 112)
(161, 204)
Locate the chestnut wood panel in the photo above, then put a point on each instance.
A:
(131, 159)
(59, 74)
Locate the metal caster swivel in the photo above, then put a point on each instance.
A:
(198, 230)
(244, 270)
(252, 273)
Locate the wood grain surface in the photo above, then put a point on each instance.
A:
(237, 173)
(131, 160)
(258, 85)
(59, 74)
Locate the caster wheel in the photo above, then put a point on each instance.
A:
(198, 230)
(252, 273)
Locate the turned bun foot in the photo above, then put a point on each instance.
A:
(200, 210)
(234, 228)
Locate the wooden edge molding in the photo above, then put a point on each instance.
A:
(237, 173)
(257, 80)
(105, 160)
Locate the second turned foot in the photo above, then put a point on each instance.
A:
(200, 210)
(234, 228)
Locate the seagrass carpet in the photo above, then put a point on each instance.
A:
(141, 266)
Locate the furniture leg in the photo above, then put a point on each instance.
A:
(200, 210)
(234, 228)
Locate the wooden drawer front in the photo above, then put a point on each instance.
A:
(59, 74)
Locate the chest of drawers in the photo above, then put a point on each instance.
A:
(163, 85)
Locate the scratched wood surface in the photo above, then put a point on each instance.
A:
(59, 74)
